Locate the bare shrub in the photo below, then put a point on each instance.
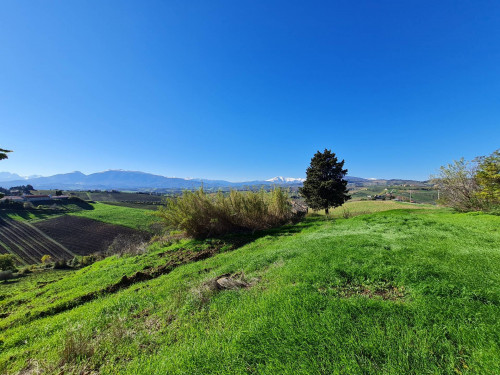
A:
(458, 185)
(346, 214)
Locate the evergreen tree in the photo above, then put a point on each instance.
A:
(3, 153)
(325, 185)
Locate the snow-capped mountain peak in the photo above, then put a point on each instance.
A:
(281, 179)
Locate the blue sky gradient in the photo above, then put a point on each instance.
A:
(244, 90)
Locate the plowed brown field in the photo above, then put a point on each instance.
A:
(28, 243)
(61, 238)
(81, 235)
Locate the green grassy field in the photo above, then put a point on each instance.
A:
(145, 206)
(136, 218)
(32, 215)
(354, 208)
(397, 292)
(45, 211)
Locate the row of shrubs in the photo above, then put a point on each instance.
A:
(200, 214)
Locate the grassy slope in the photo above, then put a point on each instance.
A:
(130, 217)
(311, 310)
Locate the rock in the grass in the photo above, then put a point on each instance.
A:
(231, 284)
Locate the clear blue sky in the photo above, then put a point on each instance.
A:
(243, 90)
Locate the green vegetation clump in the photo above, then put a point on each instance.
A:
(7, 262)
(202, 215)
(46, 259)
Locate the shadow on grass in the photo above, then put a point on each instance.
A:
(234, 241)
(14, 280)
(45, 209)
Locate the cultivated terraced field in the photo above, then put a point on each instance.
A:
(81, 235)
(28, 243)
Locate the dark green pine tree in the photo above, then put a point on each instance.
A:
(325, 185)
(3, 153)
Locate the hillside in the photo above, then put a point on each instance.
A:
(395, 292)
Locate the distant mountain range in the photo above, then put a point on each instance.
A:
(7, 176)
(133, 180)
(285, 180)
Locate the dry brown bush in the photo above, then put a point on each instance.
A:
(202, 215)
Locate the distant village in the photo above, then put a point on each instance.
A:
(22, 194)
(34, 198)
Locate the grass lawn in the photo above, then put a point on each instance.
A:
(130, 217)
(398, 292)
(354, 208)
